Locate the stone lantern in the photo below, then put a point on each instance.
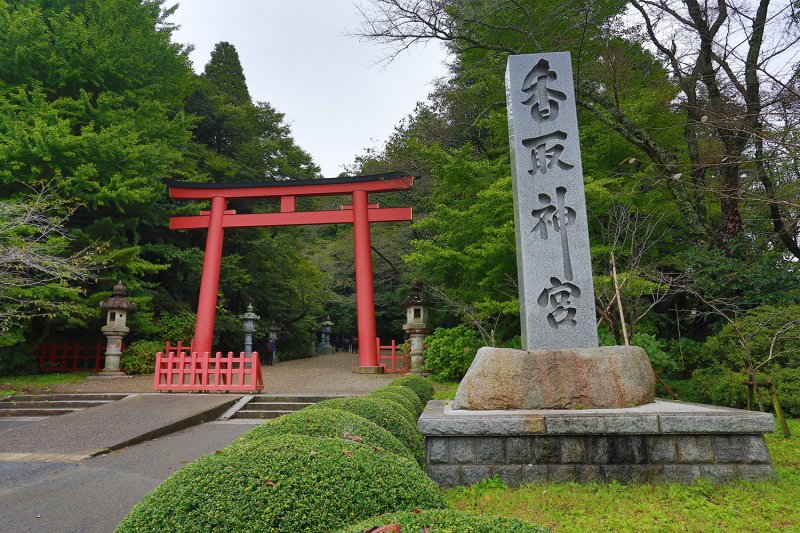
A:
(416, 325)
(248, 328)
(325, 329)
(274, 329)
(117, 308)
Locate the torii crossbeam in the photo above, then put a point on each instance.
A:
(361, 213)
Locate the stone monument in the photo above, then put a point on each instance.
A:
(564, 408)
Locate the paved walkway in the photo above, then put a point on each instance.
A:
(94, 495)
(323, 374)
(81, 434)
(57, 483)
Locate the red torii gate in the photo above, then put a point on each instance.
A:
(361, 213)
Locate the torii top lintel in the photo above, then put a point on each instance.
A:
(395, 181)
(287, 191)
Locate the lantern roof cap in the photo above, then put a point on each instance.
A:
(417, 295)
(118, 299)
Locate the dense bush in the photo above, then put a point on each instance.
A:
(329, 423)
(719, 385)
(407, 392)
(383, 413)
(287, 483)
(409, 401)
(15, 356)
(140, 357)
(749, 339)
(421, 386)
(445, 521)
(450, 352)
(787, 389)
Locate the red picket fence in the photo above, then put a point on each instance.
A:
(178, 370)
(70, 356)
(394, 361)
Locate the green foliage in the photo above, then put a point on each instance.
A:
(15, 357)
(420, 385)
(719, 385)
(286, 483)
(332, 424)
(409, 401)
(787, 388)
(689, 354)
(662, 361)
(385, 414)
(224, 72)
(140, 357)
(445, 390)
(467, 240)
(446, 521)
(761, 334)
(450, 352)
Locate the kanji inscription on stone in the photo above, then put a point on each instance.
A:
(553, 260)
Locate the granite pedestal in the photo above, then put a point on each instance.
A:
(660, 441)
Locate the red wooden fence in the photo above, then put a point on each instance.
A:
(392, 362)
(190, 371)
(70, 356)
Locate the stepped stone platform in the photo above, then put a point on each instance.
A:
(660, 441)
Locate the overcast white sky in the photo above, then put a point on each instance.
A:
(296, 56)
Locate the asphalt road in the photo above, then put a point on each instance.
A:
(92, 496)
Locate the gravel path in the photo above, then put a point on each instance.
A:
(324, 374)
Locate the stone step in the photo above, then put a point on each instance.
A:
(44, 411)
(64, 397)
(261, 414)
(76, 404)
(276, 406)
(291, 398)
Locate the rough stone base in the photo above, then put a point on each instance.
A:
(662, 441)
(605, 377)
(368, 370)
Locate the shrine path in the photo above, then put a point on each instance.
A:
(323, 374)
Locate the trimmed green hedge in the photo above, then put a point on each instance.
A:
(386, 415)
(446, 521)
(402, 396)
(287, 483)
(332, 423)
(418, 384)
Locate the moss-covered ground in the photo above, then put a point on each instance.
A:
(35, 382)
(703, 506)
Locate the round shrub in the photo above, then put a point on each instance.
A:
(331, 423)
(400, 395)
(421, 386)
(383, 413)
(140, 357)
(450, 352)
(446, 521)
(287, 483)
(408, 393)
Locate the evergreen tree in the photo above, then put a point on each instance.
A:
(224, 72)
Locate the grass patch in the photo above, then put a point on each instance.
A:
(28, 383)
(444, 390)
(703, 506)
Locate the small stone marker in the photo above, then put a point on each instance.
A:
(553, 262)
